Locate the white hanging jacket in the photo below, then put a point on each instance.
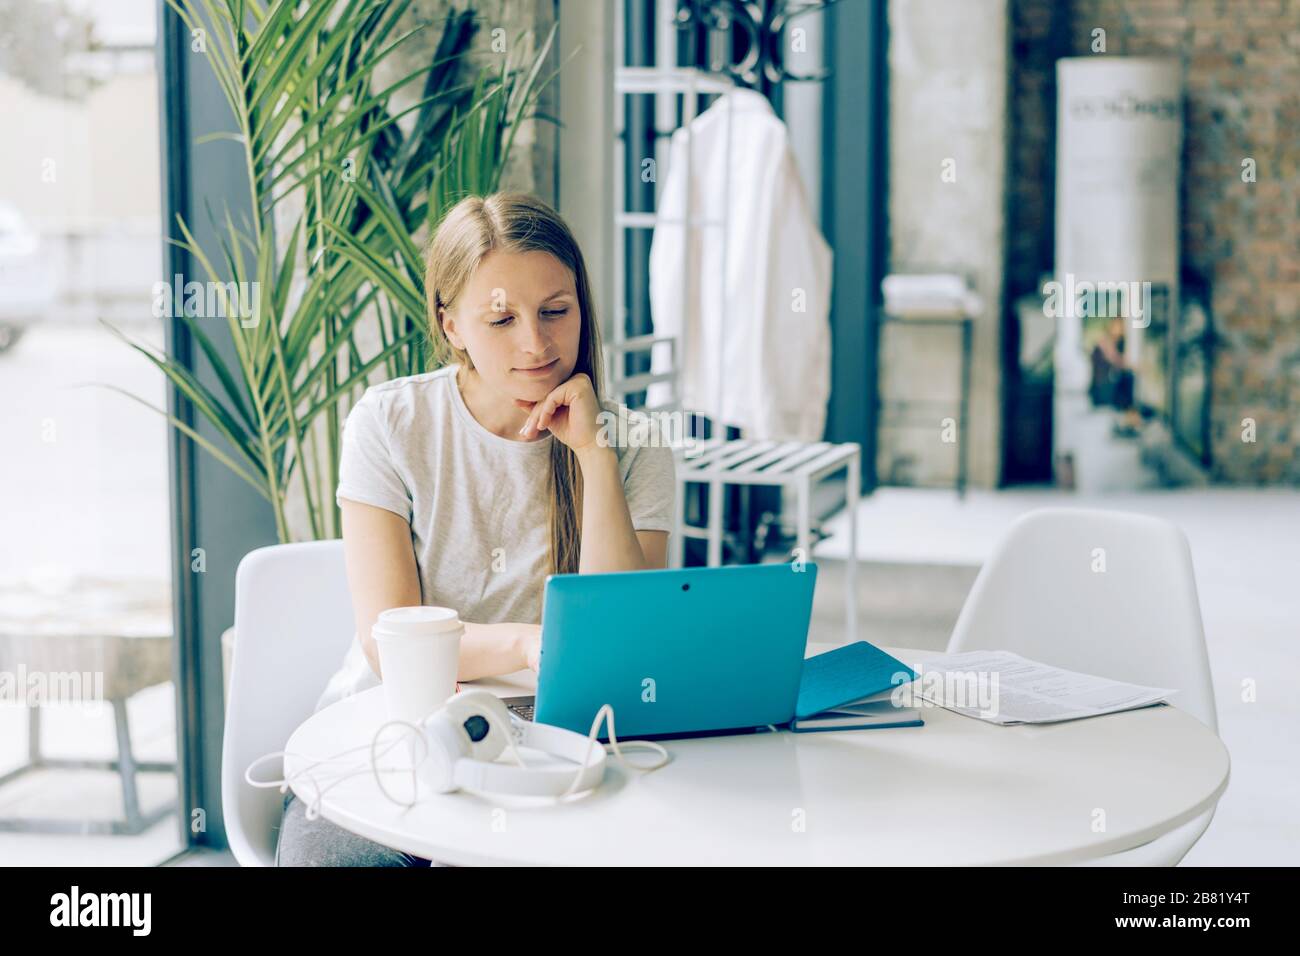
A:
(753, 339)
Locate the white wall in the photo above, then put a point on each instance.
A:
(947, 100)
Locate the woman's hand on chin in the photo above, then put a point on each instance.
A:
(570, 412)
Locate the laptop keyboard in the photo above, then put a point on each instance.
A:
(522, 706)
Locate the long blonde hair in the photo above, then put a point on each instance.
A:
(517, 222)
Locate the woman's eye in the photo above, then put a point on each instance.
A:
(546, 313)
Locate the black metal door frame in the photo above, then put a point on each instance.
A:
(212, 509)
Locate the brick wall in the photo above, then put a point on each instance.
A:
(1242, 86)
(1037, 40)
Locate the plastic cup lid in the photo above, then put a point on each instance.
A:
(416, 621)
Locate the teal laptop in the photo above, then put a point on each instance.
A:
(676, 653)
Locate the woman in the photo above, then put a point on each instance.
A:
(466, 486)
(1113, 378)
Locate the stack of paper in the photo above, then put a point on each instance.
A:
(1005, 688)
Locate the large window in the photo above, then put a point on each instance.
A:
(87, 704)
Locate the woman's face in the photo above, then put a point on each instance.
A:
(518, 319)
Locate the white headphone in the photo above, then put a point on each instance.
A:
(456, 747)
(473, 728)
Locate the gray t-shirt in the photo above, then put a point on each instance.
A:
(477, 503)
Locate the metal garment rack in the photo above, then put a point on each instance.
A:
(717, 461)
(667, 83)
(689, 84)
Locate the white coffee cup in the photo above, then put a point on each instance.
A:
(419, 656)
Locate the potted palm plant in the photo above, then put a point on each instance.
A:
(343, 171)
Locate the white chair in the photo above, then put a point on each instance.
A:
(1139, 620)
(293, 624)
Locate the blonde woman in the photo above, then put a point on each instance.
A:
(466, 486)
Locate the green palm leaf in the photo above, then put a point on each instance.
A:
(313, 126)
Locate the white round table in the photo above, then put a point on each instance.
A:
(957, 791)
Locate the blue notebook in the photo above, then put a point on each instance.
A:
(847, 674)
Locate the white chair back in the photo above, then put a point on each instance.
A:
(1103, 592)
(293, 625)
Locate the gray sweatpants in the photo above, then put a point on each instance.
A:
(303, 842)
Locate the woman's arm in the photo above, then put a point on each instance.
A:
(609, 542)
(382, 574)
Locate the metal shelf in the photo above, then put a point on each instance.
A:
(960, 405)
(655, 79)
